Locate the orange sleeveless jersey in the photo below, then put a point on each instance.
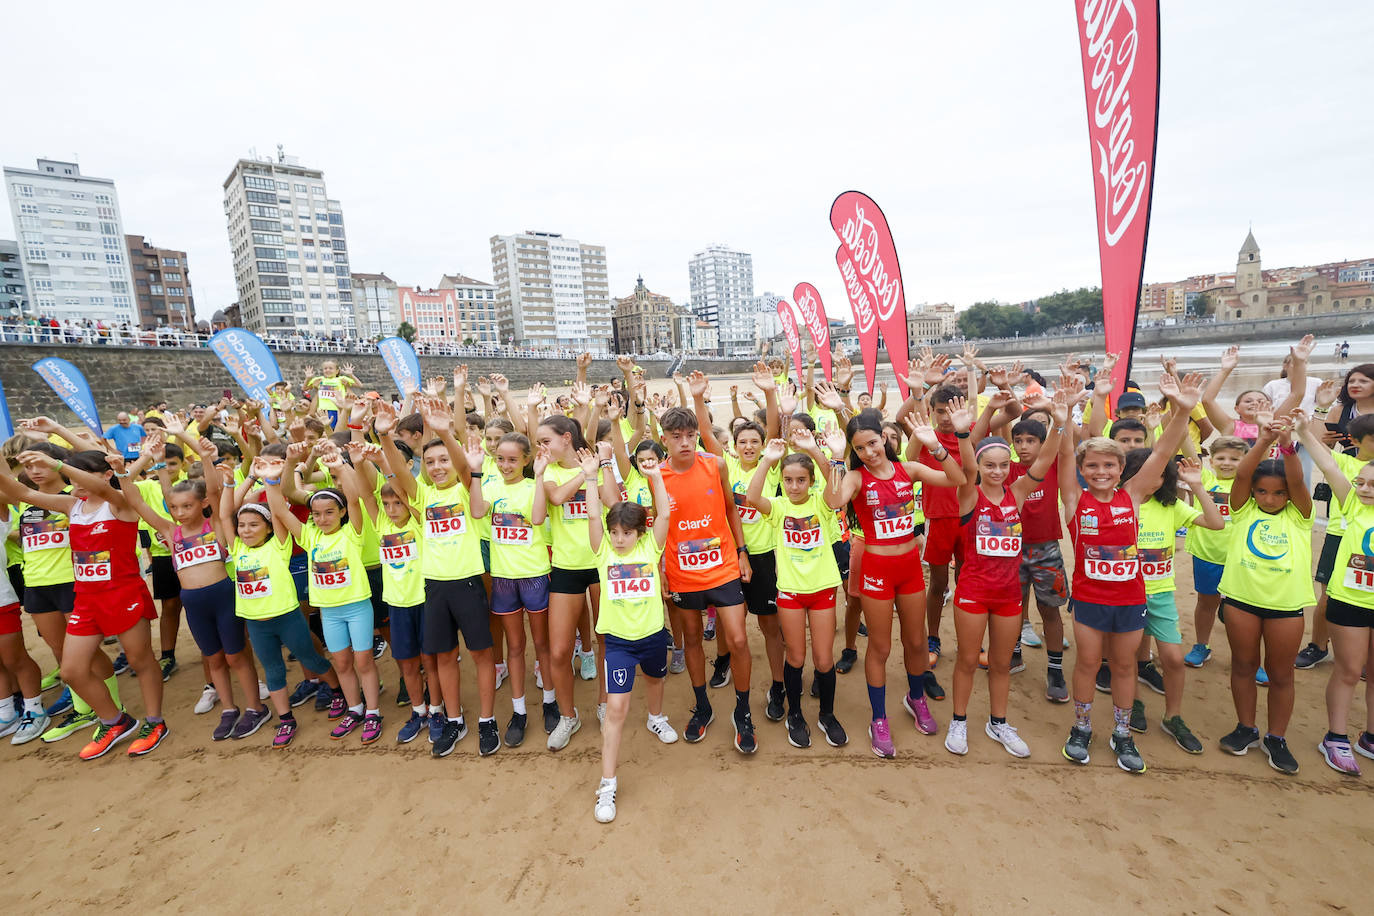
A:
(700, 553)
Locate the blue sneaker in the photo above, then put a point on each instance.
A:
(436, 726)
(411, 729)
(1261, 678)
(1197, 656)
(63, 704)
(303, 692)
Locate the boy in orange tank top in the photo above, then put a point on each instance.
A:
(706, 564)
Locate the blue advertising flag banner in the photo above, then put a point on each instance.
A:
(248, 360)
(70, 385)
(6, 424)
(402, 362)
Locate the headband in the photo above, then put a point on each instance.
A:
(992, 442)
(259, 508)
(328, 494)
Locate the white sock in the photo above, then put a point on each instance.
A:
(435, 710)
(356, 710)
(374, 712)
(501, 666)
(483, 719)
(550, 696)
(456, 721)
(518, 704)
(419, 711)
(34, 705)
(608, 782)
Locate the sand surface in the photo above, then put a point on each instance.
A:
(200, 826)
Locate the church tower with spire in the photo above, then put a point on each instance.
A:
(1248, 273)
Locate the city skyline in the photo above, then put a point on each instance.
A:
(985, 180)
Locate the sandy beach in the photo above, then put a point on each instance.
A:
(237, 826)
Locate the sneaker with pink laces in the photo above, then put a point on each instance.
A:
(285, 732)
(372, 728)
(347, 724)
(925, 722)
(881, 736)
(1339, 756)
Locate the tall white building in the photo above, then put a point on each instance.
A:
(71, 241)
(722, 285)
(290, 251)
(551, 291)
(767, 325)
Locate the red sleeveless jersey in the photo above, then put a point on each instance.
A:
(104, 549)
(941, 502)
(1040, 509)
(886, 509)
(1106, 569)
(990, 548)
(700, 553)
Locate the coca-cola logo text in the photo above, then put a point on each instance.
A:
(1112, 43)
(861, 236)
(864, 317)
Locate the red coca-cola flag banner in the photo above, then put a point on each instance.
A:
(1120, 44)
(873, 280)
(813, 316)
(789, 329)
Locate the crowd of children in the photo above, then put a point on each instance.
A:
(631, 528)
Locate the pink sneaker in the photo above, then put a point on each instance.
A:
(925, 722)
(347, 723)
(285, 732)
(1339, 757)
(881, 736)
(372, 728)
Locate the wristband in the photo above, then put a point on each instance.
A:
(58, 466)
(272, 481)
(157, 467)
(253, 478)
(587, 479)
(351, 426)
(944, 454)
(961, 435)
(1288, 449)
(739, 550)
(1321, 411)
(121, 476)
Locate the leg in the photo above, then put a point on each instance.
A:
(1003, 632)
(224, 684)
(415, 684)
(1282, 639)
(446, 664)
(969, 630)
(347, 674)
(1205, 617)
(915, 652)
(689, 623)
(1086, 661)
(22, 668)
(1243, 635)
(791, 622)
(731, 621)
(1321, 632)
(369, 678)
(513, 631)
(137, 643)
(878, 617)
(77, 673)
(772, 643)
(564, 613)
(1052, 622)
(853, 611)
(822, 624)
(1350, 646)
(52, 626)
(1121, 656)
(1171, 661)
(617, 707)
(539, 635)
(168, 624)
(486, 681)
(934, 600)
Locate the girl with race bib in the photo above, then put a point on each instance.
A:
(333, 542)
(630, 620)
(1162, 515)
(265, 596)
(807, 574)
(880, 488)
(196, 534)
(1108, 592)
(1349, 604)
(1266, 588)
(987, 593)
(1208, 548)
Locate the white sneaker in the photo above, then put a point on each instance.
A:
(659, 726)
(600, 715)
(1006, 736)
(956, 739)
(207, 701)
(263, 692)
(502, 672)
(679, 662)
(538, 675)
(30, 727)
(562, 732)
(8, 726)
(605, 802)
(1029, 637)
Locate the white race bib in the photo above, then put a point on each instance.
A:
(575, 509)
(194, 556)
(1154, 570)
(992, 545)
(259, 588)
(1359, 579)
(93, 572)
(801, 538)
(45, 540)
(896, 528)
(1111, 570)
(512, 535)
(338, 578)
(699, 555)
(636, 587)
(447, 526)
(748, 515)
(399, 553)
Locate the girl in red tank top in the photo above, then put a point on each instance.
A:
(987, 594)
(879, 488)
(1108, 599)
(111, 598)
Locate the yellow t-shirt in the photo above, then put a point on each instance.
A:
(337, 574)
(263, 585)
(46, 546)
(1352, 575)
(519, 548)
(806, 562)
(1204, 543)
(759, 536)
(452, 549)
(568, 522)
(1269, 563)
(403, 582)
(1156, 536)
(631, 589)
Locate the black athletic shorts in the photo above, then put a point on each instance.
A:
(761, 591)
(727, 595)
(454, 606)
(165, 581)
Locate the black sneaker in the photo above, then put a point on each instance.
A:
(744, 734)
(847, 659)
(402, 695)
(798, 735)
(1127, 757)
(1104, 679)
(1017, 665)
(323, 697)
(1076, 748)
(515, 729)
(815, 688)
(933, 689)
(1138, 723)
(121, 664)
(774, 711)
(832, 729)
(1280, 757)
(696, 727)
(550, 717)
(1311, 656)
(488, 738)
(168, 664)
(1056, 691)
(453, 733)
(1240, 740)
(378, 646)
(863, 629)
(1148, 674)
(1182, 735)
(720, 677)
(303, 692)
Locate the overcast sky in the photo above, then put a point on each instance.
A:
(656, 129)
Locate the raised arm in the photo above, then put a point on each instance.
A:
(1223, 422)
(700, 386)
(272, 470)
(772, 454)
(662, 519)
(595, 529)
(385, 424)
(1297, 376)
(1182, 395)
(1321, 456)
(1245, 471)
(764, 381)
(1190, 472)
(539, 511)
(1035, 474)
(439, 418)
